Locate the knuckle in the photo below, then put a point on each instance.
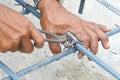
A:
(86, 38)
(29, 51)
(3, 51)
(95, 27)
(26, 51)
(24, 34)
(40, 42)
(7, 45)
(13, 51)
(94, 36)
(16, 40)
(104, 37)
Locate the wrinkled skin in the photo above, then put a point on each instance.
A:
(16, 32)
(56, 19)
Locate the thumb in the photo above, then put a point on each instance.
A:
(104, 28)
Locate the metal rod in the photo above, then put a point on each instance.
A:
(29, 8)
(98, 61)
(44, 63)
(12, 75)
(63, 54)
(82, 3)
(109, 6)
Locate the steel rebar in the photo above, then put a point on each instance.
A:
(66, 53)
(12, 75)
(29, 8)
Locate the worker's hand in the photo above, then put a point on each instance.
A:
(56, 19)
(16, 32)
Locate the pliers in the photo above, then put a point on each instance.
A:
(65, 39)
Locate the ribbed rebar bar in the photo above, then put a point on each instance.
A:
(110, 6)
(68, 52)
(12, 75)
(44, 63)
(29, 8)
(98, 61)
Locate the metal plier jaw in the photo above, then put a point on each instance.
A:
(70, 40)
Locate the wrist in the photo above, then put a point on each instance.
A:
(38, 1)
(45, 4)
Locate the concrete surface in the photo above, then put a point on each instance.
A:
(69, 68)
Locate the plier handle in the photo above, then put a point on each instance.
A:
(58, 38)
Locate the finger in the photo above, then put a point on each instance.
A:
(3, 51)
(5, 47)
(100, 30)
(26, 46)
(80, 55)
(103, 37)
(15, 47)
(85, 42)
(84, 38)
(104, 28)
(37, 37)
(55, 47)
(5, 43)
(93, 40)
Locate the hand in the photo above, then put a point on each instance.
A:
(56, 19)
(16, 32)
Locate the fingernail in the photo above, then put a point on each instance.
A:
(109, 28)
(80, 56)
(108, 45)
